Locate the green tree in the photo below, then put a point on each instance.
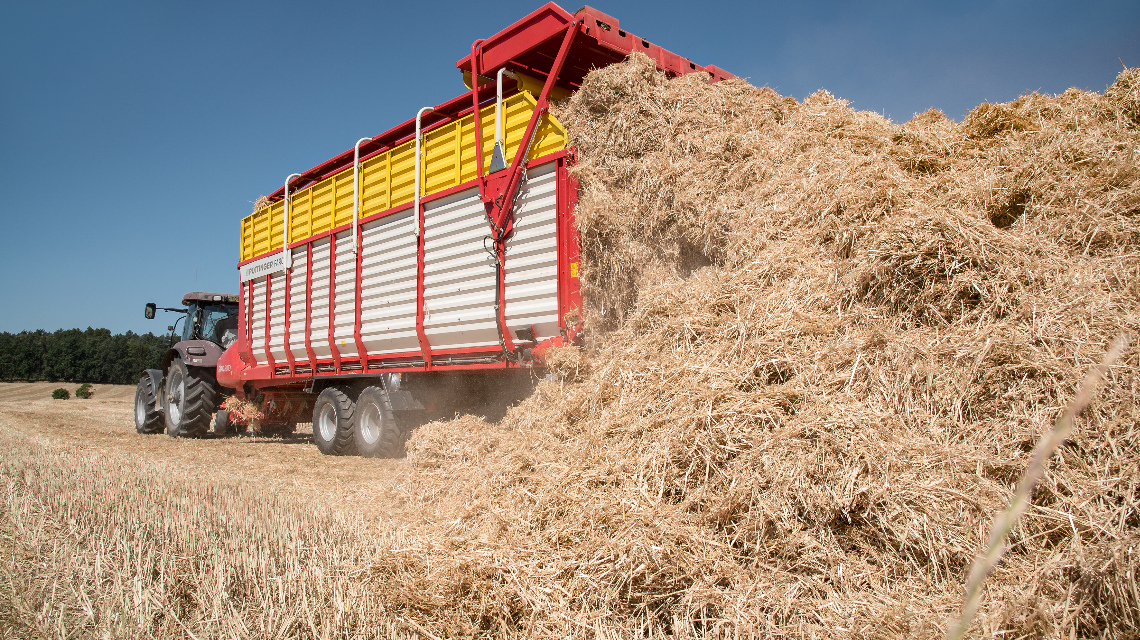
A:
(73, 355)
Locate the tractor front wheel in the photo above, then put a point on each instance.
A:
(147, 418)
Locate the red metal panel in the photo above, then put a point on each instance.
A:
(544, 23)
(569, 282)
(530, 44)
(288, 312)
(249, 323)
(478, 122)
(501, 220)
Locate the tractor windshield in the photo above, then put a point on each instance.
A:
(219, 323)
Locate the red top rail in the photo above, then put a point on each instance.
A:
(531, 44)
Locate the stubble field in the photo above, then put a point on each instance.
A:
(107, 533)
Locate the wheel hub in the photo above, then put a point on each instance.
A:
(140, 409)
(370, 424)
(327, 423)
(177, 393)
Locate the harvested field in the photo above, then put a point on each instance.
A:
(821, 347)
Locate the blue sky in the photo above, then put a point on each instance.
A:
(135, 136)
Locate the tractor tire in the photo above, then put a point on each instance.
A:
(376, 430)
(189, 400)
(148, 420)
(333, 422)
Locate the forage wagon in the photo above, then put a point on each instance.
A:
(437, 258)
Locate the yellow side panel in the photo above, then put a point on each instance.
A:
(343, 198)
(439, 159)
(245, 246)
(322, 206)
(374, 185)
(388, 180)
(299, 216)
(403, 173)
(277, 215)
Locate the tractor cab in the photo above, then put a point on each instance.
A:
(207, 316)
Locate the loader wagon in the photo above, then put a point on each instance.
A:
(437, 259)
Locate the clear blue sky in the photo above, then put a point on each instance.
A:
(135, 135)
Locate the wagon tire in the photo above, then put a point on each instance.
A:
(377, 432)
(333, 422)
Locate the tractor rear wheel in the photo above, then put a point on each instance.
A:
(147, 419)
(332, 422)
(189, 400)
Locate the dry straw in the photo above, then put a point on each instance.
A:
(822, 349)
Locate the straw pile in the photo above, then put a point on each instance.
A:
(821, 347)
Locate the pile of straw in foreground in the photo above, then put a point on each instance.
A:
(821, 347)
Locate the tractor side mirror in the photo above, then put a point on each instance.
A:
(150, 309)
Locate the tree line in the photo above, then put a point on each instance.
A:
(74, 355)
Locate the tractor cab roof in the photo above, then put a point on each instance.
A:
(208, 297)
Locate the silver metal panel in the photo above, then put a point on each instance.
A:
(532, 256)
(319, 329)
(344, 317)
(459, 280)
(297, 304)
(257, 331)
(388, 285)
(277, 317)
(459, 274)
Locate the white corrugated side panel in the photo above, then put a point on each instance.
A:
(388, 285)
(459, 274)
(532, 256)
(319, 334)
(297, 305)
(344, 317)
(277, 317)
(257, 334)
